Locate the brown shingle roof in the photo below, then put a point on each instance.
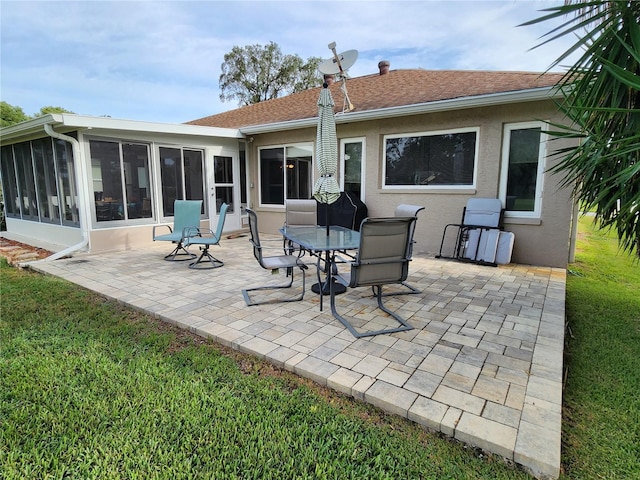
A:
(372, 92)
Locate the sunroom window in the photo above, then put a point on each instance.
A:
(38, 181)
(182, 176)
(430, 159)
(120, 174)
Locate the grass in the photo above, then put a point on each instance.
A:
(92, 389)
(601, 419)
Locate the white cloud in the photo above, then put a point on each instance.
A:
(160, 61)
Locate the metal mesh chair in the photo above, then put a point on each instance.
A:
(299, 212)
(186, 214)
(205, 237)
(404, 210)
(481, 217)
(382, 259)
(273, 263)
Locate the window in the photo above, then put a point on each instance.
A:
(182, 176)
(522, 169)
(285, 169)
(26, 181)
(9, 184)
(352, 165)
(68, 200)
(47, 188)
(431, 159)
(244, 195)
(120, 180)
(38, 181)
(223, 176)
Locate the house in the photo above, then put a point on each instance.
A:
(432, 138)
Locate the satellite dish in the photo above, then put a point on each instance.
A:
(338, 65)
(343, 62)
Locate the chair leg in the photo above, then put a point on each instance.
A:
(378, 290)
(180, 251)
(412, 291)
(250, 303)
(215, 263)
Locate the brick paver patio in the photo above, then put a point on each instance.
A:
(483, 364)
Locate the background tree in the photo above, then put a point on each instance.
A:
(49, 109)
(10, 115)
(602, 99)
(255, 73)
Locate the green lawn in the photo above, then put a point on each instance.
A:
(91, 389)
(601, 421)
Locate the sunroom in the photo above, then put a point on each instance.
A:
(74, 182)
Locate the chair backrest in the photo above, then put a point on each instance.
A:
(301, 212)
(484, 212)
(383, 254)
(254, 236)
(404, 210)
(186, 213)
(221, 216)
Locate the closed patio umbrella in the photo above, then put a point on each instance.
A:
(326, 189)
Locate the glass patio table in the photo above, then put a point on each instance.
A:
(324, 243)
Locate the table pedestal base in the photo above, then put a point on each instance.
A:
(338, 288)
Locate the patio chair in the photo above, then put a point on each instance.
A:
(299, 213)
(382, 259)
(205, 237)
(186, 213)
(482, 219)
(273, 263)
(404, 210)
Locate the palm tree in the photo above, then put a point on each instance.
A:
(601, 99)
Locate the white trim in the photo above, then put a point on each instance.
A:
(284, 146)
(363, 164)
(504, 168)
(432, 133)
(530, 95)
(72, 121)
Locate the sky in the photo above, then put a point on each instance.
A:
(160, 61)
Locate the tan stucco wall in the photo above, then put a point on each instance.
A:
(543, 242)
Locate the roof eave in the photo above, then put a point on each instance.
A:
(530, 95)
(73, 121)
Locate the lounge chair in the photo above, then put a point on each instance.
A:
(482, 219)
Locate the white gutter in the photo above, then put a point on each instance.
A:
(81, 185)
(414, 109)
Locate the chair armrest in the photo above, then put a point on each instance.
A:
(195, 232)
(160, 226)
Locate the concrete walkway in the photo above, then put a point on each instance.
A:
(483, 364)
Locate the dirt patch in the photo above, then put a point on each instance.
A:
(17, 252)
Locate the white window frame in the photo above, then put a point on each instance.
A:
(284, 146)
(363, 163)
(432, 133)
(504, 170)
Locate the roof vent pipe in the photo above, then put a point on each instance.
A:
(383, 65)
